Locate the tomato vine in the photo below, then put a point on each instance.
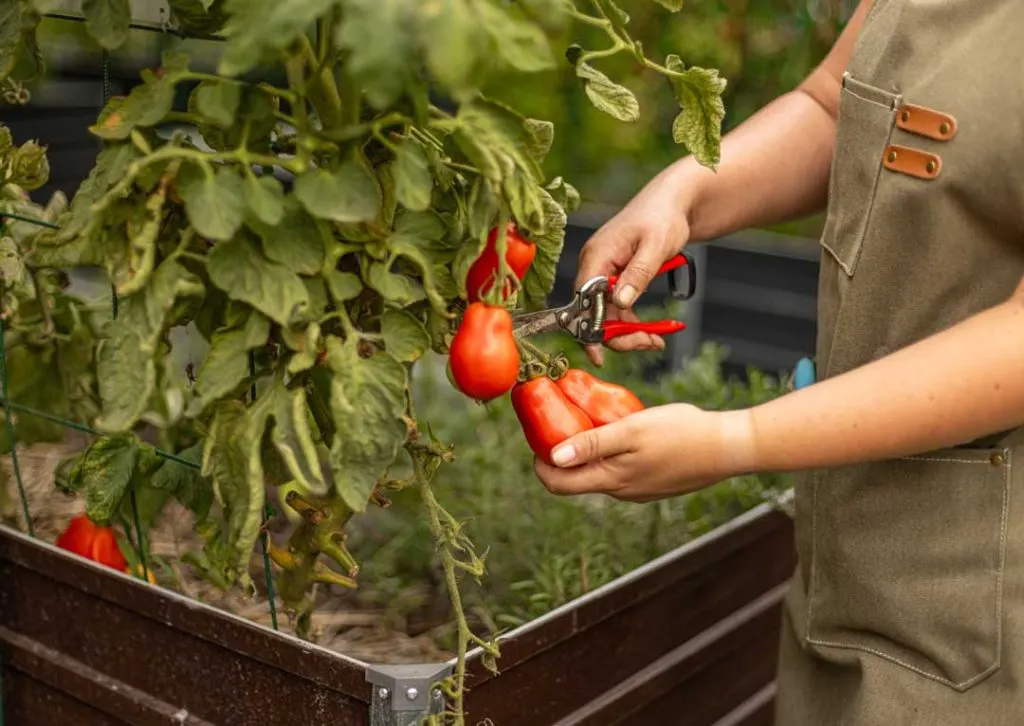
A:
(318, 233)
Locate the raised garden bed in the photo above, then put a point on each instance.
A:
(84, 645)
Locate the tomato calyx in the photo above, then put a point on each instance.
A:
(488, 280)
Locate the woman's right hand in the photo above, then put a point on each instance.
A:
(634, 244)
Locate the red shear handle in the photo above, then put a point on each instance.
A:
(616, 328)
(674, 263)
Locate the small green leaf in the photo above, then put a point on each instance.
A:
(674, 5)
(225, 366)
(699, 123)
(367, 405)
(349, 194)
(146, 105)
(218, 102)
(606, 95)
(238, 268)
(256, 331)
(398, 289)
(258, 29)
(215, 203)
(413, 181)
(565, 194)
(298, 241)
(107, 21)
(265, 197)
(343, 286)
(105, 471)
(405, 338)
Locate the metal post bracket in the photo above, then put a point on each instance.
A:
(403, 694)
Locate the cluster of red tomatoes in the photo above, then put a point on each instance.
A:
(484, 361)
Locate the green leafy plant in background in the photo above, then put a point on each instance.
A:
(317, 234)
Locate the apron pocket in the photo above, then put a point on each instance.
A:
(867, 116)
(907, 562)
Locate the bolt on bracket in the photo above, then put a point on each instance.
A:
(404, 694)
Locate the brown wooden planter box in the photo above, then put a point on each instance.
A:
(689, 639)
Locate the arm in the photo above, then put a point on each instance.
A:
(947, 389)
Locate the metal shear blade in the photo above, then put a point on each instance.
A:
(582, 318)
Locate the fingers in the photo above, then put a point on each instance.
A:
(594, 444)
(606, 252)
(633, 341)
(596, 354)
(649, 256)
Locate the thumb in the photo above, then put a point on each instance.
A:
(592, 445)
(640, 271)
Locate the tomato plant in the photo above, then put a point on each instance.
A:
(317, 232)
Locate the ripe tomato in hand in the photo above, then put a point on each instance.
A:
(95, 542)
(548, 418)
(519, 254)
(483, 357)
(603, 402)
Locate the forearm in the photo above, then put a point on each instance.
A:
(951, 388)
(774, 167)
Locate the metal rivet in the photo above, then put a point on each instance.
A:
(997, 459)
(383, 693)
(931, 167)
(412, 694)
(944, 128)
(892, 156)
(905, 116)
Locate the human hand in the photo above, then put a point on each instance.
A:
(634, 244)
(653, 454)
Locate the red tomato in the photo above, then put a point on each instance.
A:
(483, 356)
(602, 401)
(547, 417)
(88, 539)
(519, 254)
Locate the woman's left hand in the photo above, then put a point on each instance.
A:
(653, 454)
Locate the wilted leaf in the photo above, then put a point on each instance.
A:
(542, 135)
(565, 194)
(104, 472)
(699, 123)
(367, 404)
(349, 194)
(405, 338)
(540, 278)
(215, 202)
(185, 483)
(238, 268)
(225, 366)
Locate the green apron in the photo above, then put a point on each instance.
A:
(907, 606)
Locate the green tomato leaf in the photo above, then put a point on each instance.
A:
(146, 105)
(542, 136)
(413, 180)
(606, 95)
(126, 358)
(265, 197)
(343, 286)
(259, 29)
(540, 278)
(453, 44)
(185, 483)
(218, 102)
(699, 124)
(349, 194)
(293, 438)
(107, 21)
(215, 203)
(225, 366)
(565, 194)
(367, 405)
(238, 268)
(298, 241)
(105, 471)
(405, 337)
(397, 289)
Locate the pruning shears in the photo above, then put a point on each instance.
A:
(584, 317)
